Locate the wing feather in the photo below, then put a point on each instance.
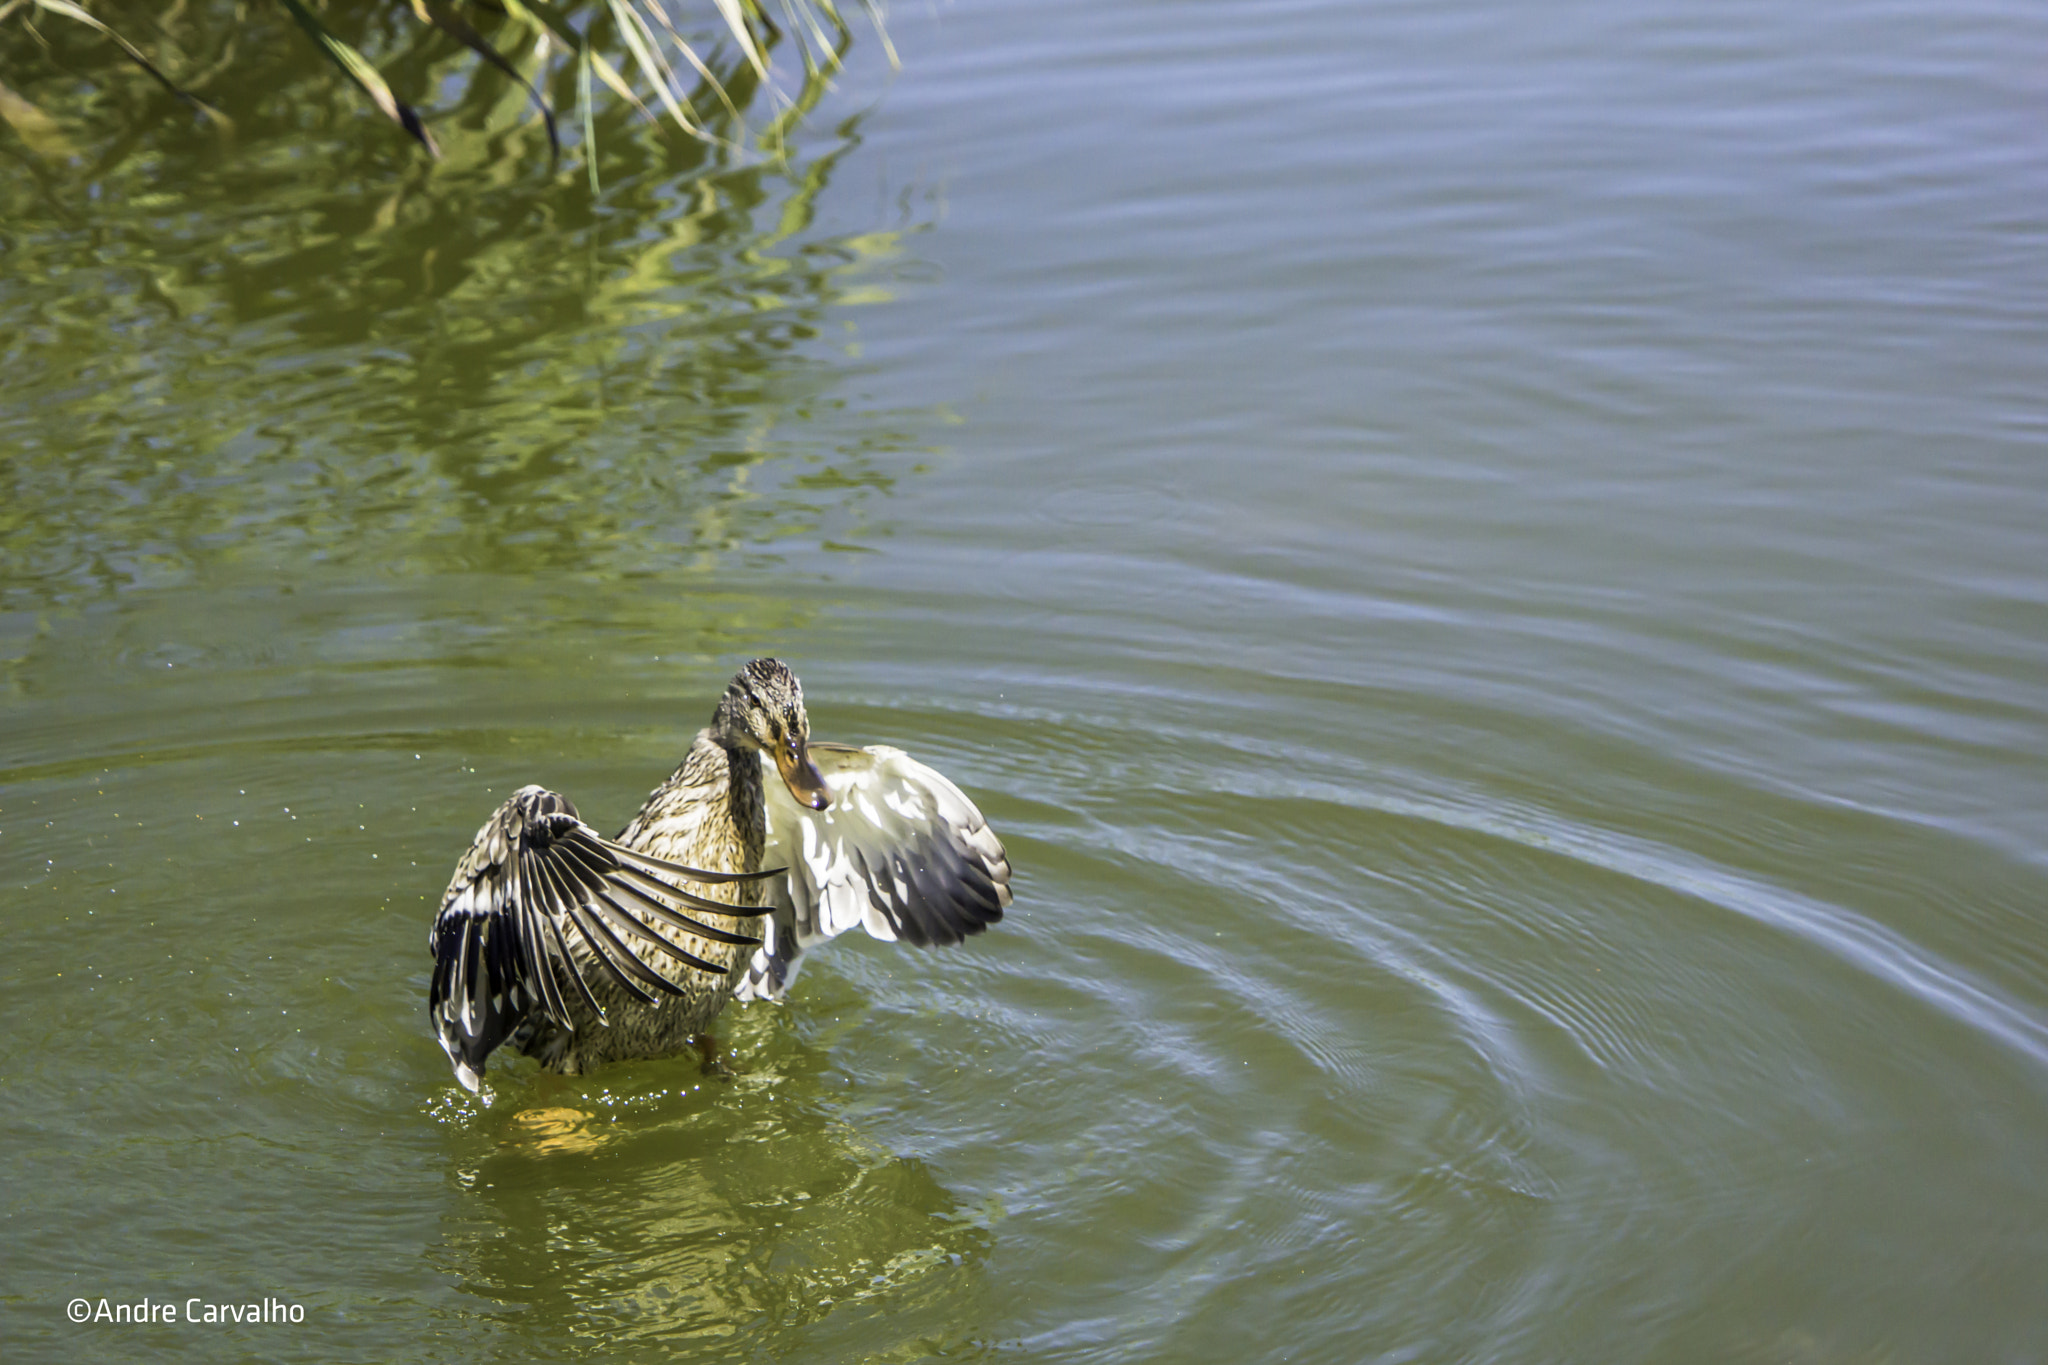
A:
(465, 972)
(643, 891)
(539, 967)
(534, 880)
(553, 909)
(900, 851)
(621, 962)
(673, 949)
(651, 895)
(558, 940)
(573, 902)
(646, 862)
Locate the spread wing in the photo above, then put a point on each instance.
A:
(535, 877)
(899, 852)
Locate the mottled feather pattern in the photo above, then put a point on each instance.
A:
(540, 896)
(579, 950)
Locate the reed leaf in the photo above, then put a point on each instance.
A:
(542, 14)
(75, 12)
(640, 41)
(690, 55)
(644, 39)
(583, 103)
(359, 70)
(438, 14)
(736, 20)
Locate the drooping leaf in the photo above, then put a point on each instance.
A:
(437, 13)
(633, 31)
(736, 19)
(812, 39)
(360, 71)
(690, 56)
(609, 74)
(78, 13)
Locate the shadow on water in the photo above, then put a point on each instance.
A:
(727, 1207)
(313, 347)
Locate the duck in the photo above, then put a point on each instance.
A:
(579, 951)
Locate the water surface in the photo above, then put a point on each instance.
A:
(1486, 563)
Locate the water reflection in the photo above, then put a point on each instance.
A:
(728, 1204)
(316, 348)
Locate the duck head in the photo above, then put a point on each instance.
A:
(763, 709)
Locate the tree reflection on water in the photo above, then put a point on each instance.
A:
(311, 345)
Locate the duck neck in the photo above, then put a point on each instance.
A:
(709, 813)
(747, 816)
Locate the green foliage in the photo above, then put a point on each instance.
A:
(314, 346)
(532, 42)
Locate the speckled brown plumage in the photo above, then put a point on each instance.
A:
(579, 950)
(706, 815)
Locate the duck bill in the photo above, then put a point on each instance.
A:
(802, 777)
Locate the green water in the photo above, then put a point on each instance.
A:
(1487, 564)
